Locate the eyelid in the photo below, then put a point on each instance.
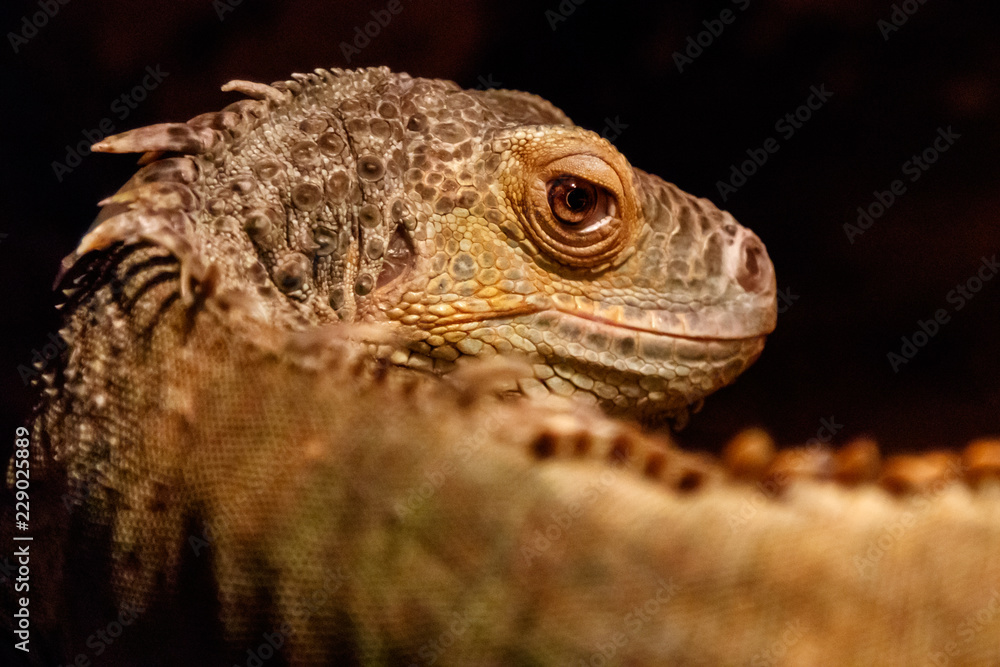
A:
(587, 167)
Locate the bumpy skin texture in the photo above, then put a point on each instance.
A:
(242, 447)
(370, 196)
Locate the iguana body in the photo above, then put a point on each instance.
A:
(262, 443)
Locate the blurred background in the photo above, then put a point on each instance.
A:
(685, 90)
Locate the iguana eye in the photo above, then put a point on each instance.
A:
(575, 197)
(580, 212)
(580, 204)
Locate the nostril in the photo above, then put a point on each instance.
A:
(751, 260)
(753, 273)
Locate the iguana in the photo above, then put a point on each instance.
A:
(324, 401)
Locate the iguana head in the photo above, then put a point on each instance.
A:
(538, 237)
(475, 222)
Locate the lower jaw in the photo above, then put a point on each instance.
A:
(653, 377)
(648, 397)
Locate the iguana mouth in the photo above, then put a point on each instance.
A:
(636, 348)
(728, 327)
(635, 367)
(704, 327)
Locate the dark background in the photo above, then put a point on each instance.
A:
(608, 61)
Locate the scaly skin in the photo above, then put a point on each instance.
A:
(436, 214)
(247, 485)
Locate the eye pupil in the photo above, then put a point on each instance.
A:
(572, 200)
(578, 199)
